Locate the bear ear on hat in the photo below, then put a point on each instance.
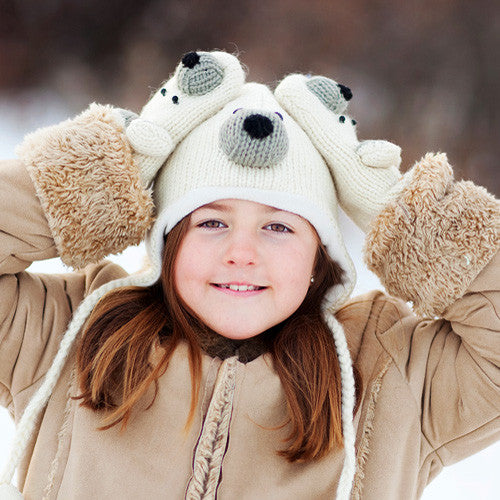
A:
(202, 84)
(333, 95)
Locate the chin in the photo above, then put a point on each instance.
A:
(235, 335)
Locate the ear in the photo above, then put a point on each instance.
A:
(333, 95)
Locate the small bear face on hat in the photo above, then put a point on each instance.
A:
(254, 138)
(202, 83)
(335, 97)
(197, 75)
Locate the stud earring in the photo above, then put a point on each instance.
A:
(312, 279)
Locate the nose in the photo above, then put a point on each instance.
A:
(190, 60)
(199, 74)
(258, 126)
(333, 95)
(345, 91)
(241, 249)
(254, 138)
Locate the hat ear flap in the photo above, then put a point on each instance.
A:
(366, 174)
(202, 84)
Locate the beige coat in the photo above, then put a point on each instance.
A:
(430, 394)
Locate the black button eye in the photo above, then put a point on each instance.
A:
(175, 99)
(354, 122)
(237, 109)
(163, 91)
(342, 119)
(280, 115)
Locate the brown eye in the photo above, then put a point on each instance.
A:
(211, 224)
(279, 228)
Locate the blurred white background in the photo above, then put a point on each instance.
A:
(476, 477)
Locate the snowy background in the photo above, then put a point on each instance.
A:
(476, 477)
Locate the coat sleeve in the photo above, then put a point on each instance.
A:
(452, 366)
(34, 308)
(437, 247)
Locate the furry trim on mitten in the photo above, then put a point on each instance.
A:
(89, 186)
(429, 244)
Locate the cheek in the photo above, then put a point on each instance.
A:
(190, 269)
(295, 278)
(303, 261)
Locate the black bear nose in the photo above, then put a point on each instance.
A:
(190, 60)
(258, 126)
(345, 91)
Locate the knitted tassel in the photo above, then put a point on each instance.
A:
(348, 396)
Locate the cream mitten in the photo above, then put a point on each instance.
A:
(366, 173)
(202, 84)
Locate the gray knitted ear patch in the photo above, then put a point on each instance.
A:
(127, 115)
(254, 138)
(199, 74)
(332, 94)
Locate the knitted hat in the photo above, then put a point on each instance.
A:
(251, 149)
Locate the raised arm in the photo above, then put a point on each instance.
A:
(437, 246)
(34, 308)
(433, 242)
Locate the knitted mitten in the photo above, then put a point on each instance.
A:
(202, 84)
(366, 173)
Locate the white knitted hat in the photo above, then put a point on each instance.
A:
(220, 159)
(251, 149)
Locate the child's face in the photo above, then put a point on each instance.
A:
(241, 242)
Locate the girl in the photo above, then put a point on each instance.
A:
(233, 365)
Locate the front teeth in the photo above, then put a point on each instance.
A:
(242, 288)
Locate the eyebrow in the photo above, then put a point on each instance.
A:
(223, 208)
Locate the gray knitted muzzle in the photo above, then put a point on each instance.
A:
(254, 138)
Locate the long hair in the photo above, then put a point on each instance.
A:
(113, 358)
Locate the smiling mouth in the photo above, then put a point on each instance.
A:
(238, 288)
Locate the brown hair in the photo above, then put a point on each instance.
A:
(114, 368)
